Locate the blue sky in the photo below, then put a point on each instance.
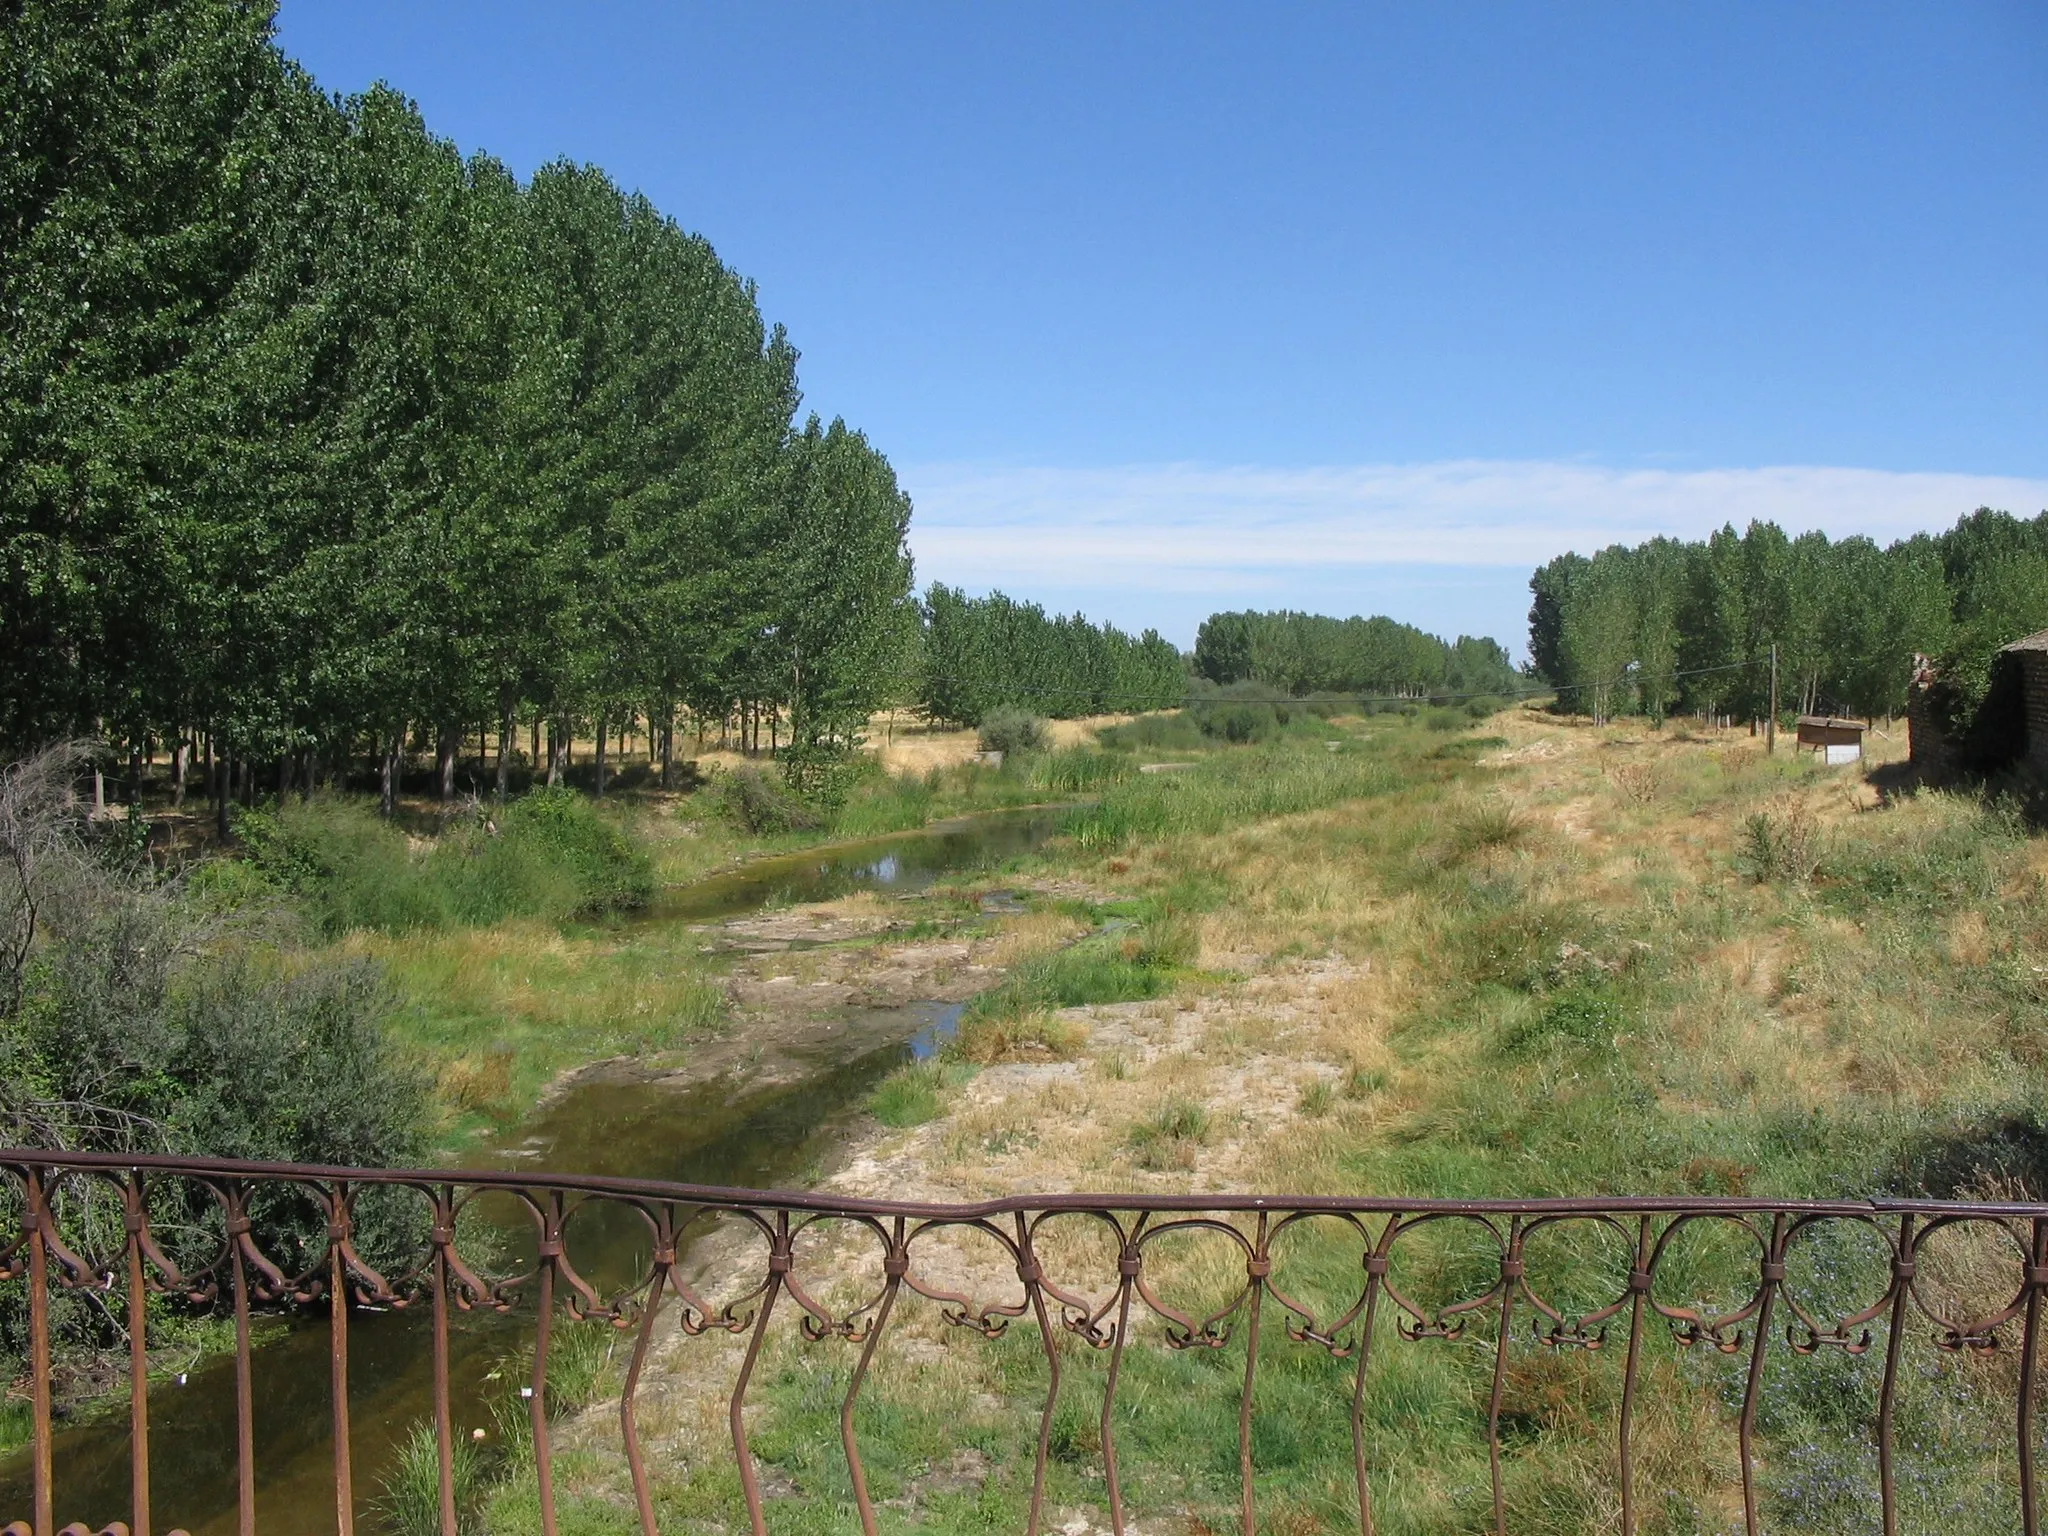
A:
(1159, 309)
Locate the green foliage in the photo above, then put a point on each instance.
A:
(608, 870)
(554, 856)
(1012, 732)
(1668, 624)
(987, 653)
(754, 802)
(1925, 869)
(1176, 732)
(1114, 967)
(338, 461)
(1303, 653)
(1226, 789)
(1583, 1015)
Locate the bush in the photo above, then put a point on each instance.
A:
(1013, 732)
(1176, 732)
(754, 803)
(554, 856)
(608, 871)
(1780, 848)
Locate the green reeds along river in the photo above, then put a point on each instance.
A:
(611, 1121)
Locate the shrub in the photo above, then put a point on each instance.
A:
(608, 870)
(754, 803)
(554, 855)
(1013, 732)
(1176, 732)
(1780, 848)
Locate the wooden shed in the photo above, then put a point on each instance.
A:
(1836, 740)
(2032, 656)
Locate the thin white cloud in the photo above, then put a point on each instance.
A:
(1190, 528)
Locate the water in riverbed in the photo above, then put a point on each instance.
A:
(611, 1123)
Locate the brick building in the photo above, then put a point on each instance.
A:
(2031, 655)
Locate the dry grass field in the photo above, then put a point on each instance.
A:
(1531, 958)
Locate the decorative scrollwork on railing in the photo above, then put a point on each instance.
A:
(88, 1242)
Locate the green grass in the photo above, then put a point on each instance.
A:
(915, 1093)
(1227, 789)
(550, 854)
(497, 1013)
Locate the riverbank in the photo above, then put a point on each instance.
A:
(1546, 959)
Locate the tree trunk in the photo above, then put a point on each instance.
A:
(506, 727)
(178, 756)
(554, 753)
(388, 782)
(99, 791)
(445, 749)
(135, 773)
(668, 751)
(223, 779)
(533, 748)
(603, 730)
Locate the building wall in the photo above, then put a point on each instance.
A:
(1928, 743)
(2034, 675)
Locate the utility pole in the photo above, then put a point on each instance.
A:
(1771, 725)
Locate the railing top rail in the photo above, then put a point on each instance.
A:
(806, 1200)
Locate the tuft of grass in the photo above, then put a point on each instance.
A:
(1318, 1098)
(1490, 823)
(1588, 1015)
(914, 1094)
(985, 1038)
(1105, 969)
(1167, 1138)
(409, 1502)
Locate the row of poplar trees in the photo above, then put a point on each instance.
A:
(319, 439)
(982, 654)
(1671, 625)
(1303, 653)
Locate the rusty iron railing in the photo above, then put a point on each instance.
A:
(1499, 1299)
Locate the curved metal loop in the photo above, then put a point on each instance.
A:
(1977, 1336)
(1721, 1332)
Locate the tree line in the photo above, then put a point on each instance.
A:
(982, 654)
(320, 441)
(1688, 625)
(1303, 653)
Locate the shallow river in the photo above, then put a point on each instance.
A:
(717, 1131)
